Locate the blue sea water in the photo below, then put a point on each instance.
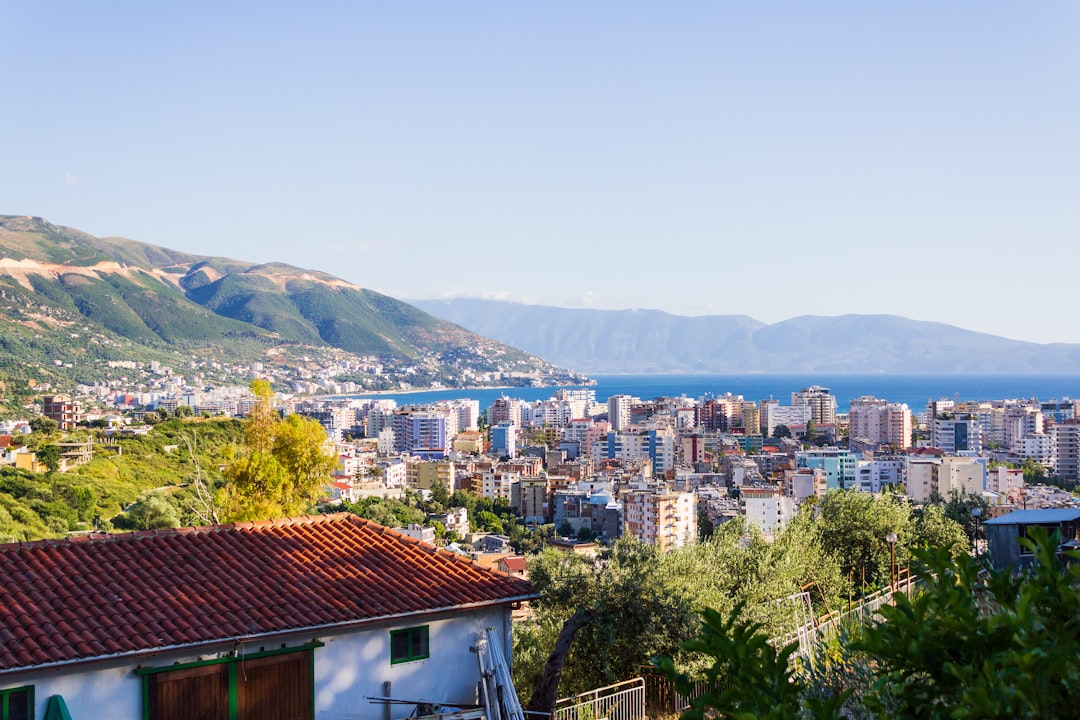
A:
(915, 390)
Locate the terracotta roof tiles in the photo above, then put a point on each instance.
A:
(72, 600)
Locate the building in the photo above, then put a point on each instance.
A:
(879, 422)
(1065, 444)
(767, 508)
(424, 474)
(956, 433)
(1003, 533)
(504, 439)
(619, 411)
(874, 475)
(821, 402)
(665, 519)
(932, 475)
(225, 622)
(805, 483)
(839, 465)
(66, 412)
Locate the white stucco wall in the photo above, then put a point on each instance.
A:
(350, 667)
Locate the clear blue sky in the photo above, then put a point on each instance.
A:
(772, 159)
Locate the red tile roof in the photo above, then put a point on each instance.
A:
(77, 599)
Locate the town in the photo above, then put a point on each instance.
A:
(663, 470)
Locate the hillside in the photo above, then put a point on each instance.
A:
(70, 300)
(650, 341)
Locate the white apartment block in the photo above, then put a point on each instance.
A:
(956, 434)
(619, 411)
(499, 484)
(1065, 439)
(943, 476)
(665, 519)
(1005, 481)
(874, 475)
(805, 483)
(822, 403)
(1037, 446)
(767, 508)
(773, 414)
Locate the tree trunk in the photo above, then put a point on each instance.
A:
(547, 690)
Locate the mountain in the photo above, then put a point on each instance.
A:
(69, 299)
(650, 341)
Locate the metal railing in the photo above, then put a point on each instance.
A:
(809, 633)
(621, 701)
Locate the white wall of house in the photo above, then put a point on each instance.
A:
(350, 667)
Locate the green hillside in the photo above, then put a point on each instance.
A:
(67, 297)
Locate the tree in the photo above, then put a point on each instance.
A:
(284, 467)
(979, 643)
(49, 455)
(43, 425)
(440, 494)
(781, 431)
(854, 526)
(748, 678)
(151, 512)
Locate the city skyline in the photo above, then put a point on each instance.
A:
(772, 161)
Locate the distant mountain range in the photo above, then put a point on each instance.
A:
(650, 341)
(67, 298)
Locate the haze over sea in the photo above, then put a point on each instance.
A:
(915, 390)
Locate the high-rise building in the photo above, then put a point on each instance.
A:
(822, 403)
(619, 411)
(880, 422)
(1065, 440)
(666, 519)
(504, 439)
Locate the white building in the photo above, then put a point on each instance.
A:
(767, 508)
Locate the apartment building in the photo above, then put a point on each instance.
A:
(665, 519)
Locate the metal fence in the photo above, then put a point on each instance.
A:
(621, 701)
(806, 635)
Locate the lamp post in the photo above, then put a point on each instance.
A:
(891, 538)
(976, 513)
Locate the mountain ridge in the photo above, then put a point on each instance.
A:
(653, 341)
(65, 292)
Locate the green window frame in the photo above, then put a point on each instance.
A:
(17, 703)
(409, 645)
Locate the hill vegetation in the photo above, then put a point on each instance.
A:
(70, 301)
(155, 469)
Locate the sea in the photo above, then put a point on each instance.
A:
(913, 390)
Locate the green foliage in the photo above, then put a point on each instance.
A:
(972, 643)
(854, 527)
(152, 511)
(284, 468)
(982, 644)
(43, 425)
(388, 511)
(748, 678)
(49, 456)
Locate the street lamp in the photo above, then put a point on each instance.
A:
(976, 513)
(891, 538)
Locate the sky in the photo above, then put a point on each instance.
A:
(770, 159)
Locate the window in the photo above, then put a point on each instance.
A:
(409, 644)
(276, 685)
(17, 703)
